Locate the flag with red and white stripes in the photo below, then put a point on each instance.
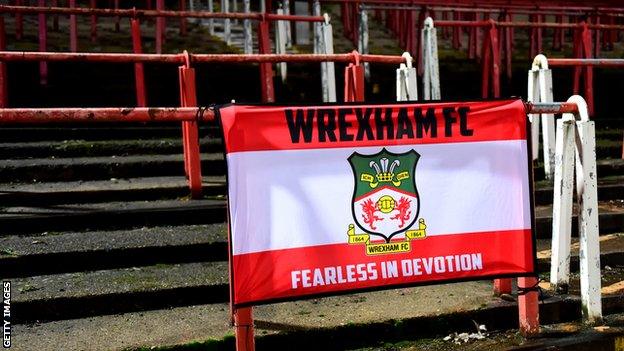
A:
(334, 198)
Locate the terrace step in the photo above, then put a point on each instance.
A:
(332, 323)
(609, 188)
(102, 167)
(110, 215)
(53, 252)
(112, 131)
(83, 148)
(131, 189)
(84, 292)
(71, 295)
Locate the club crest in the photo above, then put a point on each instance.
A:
(385, 201)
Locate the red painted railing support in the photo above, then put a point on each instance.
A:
(244, 329)
(139, 75)
(354, 81)
(43, 43)
(117, 19)
(583, 49)
(491, 61)
(266, 69)
(73, 29)
(536, 40)
(190, 133)
(472, 39)
(506, 43)
(558, 35)
(3, 70)
(182, 19)
(456, 32)
(160, 27)
(502, 286)
(528, 307)
(19, 22)
(93, 4)
(55, 17)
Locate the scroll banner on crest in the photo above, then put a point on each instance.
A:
(335, 198)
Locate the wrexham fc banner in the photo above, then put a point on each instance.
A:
(335, 198)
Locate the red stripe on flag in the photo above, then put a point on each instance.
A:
(259, 128)
(268, 275)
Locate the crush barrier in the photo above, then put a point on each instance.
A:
(401, 16)
(135, 16)
(527, 299)
(540, 88)
(496, 45)
(354, 82)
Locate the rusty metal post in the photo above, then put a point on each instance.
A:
(43, 43)
(73, 29)
(583, 49)
(190, 132)
(490, 63)
(3, 70)
(266, 69)
(139, 75)
(182, 19)
(55, 17)
(528, 308)
(160, 27)
(244, 329)
(456, 32)
(19, 22)
(117, 19)
(472, 40)
(93, 5)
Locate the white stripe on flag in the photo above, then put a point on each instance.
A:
(463, 188)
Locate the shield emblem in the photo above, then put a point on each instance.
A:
(385, 199)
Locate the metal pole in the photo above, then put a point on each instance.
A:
(243, 323)
(139, 75)
(190, 133)
(266, 70)
(73, 29)
(211, 21)
(160, 27)
(43, 43)
(288, 24)
(4, 95)
(227, 37)
(93, 4)
(363, 39)
(106, 114)
(248, 40)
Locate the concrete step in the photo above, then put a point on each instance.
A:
(71, 295)
(83, 148)
(85, 293)
(62, 252)
(102, 167)
(332, 323)
(110, 215)
(107, 132)
(609, 188)
(131, 189)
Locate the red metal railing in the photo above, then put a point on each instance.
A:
(171, 114)
(135, 16)
(188, 114)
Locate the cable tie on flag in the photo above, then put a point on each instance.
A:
(534, 287)
(199, 115)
